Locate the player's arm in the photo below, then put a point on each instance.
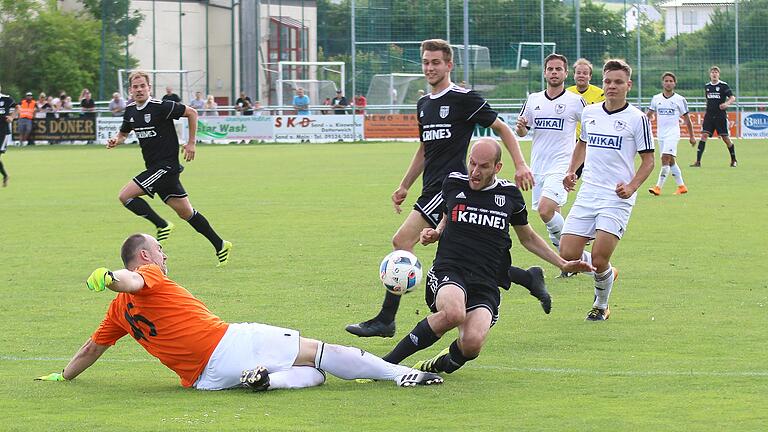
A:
(523, 176)
(116, 139)
(577, 159)
(536, 245)
(414, 171)
(646, 167)
(82, 360)
(651, 114)
(119, 280)
(689, 126)
(189, 148)
(728, 102)
(430, 235)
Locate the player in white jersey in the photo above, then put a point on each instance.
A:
(612, 133)
(668, 107)
(552, 116)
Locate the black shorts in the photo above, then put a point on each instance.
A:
(5, 139)
(430, 205)
(715, 123)
(475, 295)
(162, 181)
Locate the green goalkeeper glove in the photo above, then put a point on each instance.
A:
(100, 279)
(56, 376)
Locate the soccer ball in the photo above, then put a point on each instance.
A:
(400, 272)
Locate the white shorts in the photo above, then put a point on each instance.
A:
(585, 218)
(668, 145)
(549, 186)
(245, 346)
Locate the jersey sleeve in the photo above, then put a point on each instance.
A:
(172, 110)
(583, 136)
(525, 112)
(652, 106)
(683, 106)
(727, 92)
(643, 136)
(153, 278)
(479, 110)
(126, 126)
(109, 331)
(519, 214)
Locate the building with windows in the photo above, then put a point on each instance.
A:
(688, 16)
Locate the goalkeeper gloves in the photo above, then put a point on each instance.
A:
(56, 376)
(100, 279)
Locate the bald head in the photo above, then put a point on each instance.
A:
(486, 148)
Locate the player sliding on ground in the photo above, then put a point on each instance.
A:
(152, 121)
(206, 352)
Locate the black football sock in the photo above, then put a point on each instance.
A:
(201, 225)
(732, 151)
(700, 150)
(2, 170)
(520, 276)
(388, 308)
(141, 208)
(452, 361)
(422, 336)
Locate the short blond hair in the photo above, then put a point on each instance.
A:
(138, 74)
(584, 62)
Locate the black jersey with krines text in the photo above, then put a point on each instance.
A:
(717, 94)
(6, 108)
(476, 235)
(446, 123)
(153, 125)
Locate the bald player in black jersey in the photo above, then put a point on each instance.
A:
(7, 104)
(719, 98)
(447, 117)
(152, 121)
(472, 260)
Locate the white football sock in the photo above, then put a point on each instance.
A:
(352, 363)
(677, 174)
(586, 256)
(663, 176)
(555, 227)
(603, 286)
(296, 377)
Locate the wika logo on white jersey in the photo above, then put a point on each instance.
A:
(605, 141)
(549, 123)
(444, 109)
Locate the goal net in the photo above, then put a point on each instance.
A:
(184, 83)
(395, 88)
(320, 80)
(530, 53)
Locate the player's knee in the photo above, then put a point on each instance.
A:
(454, 316)
(185, 213)
(403, 241)
(600, 262)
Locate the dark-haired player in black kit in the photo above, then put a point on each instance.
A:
(152, 121)
(7, 104)
(447, 117)
(719, 98)
(463, 283)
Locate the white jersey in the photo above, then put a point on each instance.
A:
(668, 111)
(613, 139)
(553, 123)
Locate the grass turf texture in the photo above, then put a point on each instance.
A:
(684, 348)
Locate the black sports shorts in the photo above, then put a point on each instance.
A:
(430, 205)
(162, 181)
(475, 295)
(715, 123)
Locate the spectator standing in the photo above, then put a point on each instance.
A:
(360, 103)
(326, 102)
(117, 105)
(210, 107)
(301, 102)
(42, 106)
(340, 103)
(26, 112)
(87, 105)
(170, 95)
(257, 108)
(244, 105)
(66, 106)
(198, 102)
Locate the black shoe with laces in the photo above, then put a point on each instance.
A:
(539, 288)
(372, 327)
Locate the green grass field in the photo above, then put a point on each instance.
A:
(685, 348)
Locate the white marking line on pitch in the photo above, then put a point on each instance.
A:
(559, 371)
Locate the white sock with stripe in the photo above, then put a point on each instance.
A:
(603, 286)
(677, 174)
(662, 176)
(555, 227)
(352, 363)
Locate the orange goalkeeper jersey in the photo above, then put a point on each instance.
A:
(168, 321)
